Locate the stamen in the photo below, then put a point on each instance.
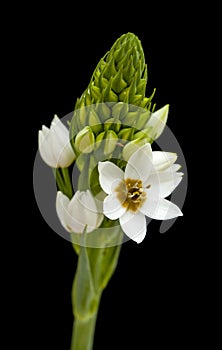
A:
(131, 194)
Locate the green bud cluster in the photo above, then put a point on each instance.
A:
(120, 76)
(114, 105)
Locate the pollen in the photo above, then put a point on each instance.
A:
(131, 194)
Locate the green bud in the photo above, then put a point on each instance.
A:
(142, 118)
(119, 110)
(132, 147)
(121, 75)
(103, 111)
(94, 121)
(111, 140)
(85, 140)
(118, 83)
(99, 139)
(126, 134)
(131, 118)
(145, 133)
(107, 140)
(112, 124)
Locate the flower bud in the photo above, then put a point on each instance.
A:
(142, 118)
(94, 121)
(145, 133)
(110, 142)
(54, 145)
(132, 147)
(103, 111)
(157, 122)
(79, 212)
(119, 110)
(112, 124)
(85, 140)
(120, 76)
(126, 134)
(107, 140)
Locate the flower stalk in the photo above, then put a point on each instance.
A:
(95, 268)
(121, 180)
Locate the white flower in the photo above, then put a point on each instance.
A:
(140, 191)
(54, 145)
(78, 212)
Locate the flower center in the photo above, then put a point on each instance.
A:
(131, 194)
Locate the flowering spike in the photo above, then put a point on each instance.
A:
(120, 78)
(115, 72)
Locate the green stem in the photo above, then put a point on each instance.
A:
(83, 333)
(59, 180)
(67, 181)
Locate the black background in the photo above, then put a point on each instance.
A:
(151, 300)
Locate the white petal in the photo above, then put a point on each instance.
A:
(45, 150)
(140, 164)
(68, 218)
(175, 167)
(88, 205)
(162, 160)
(45, 130)
(62, 202)
(62, 151)
(134, 225)
(158, 121)
(108, 173)
(73, 216)
(162, 184)
(93, 216)
(40, 137)
(73, 224)
(57, 145)
(161, 209)
(54, 145)
(67, 156)
(112, 207)
(60, 128)
(83, 211)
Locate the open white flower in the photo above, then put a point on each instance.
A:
(140, 191)
(78, 212)
(54, 145)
